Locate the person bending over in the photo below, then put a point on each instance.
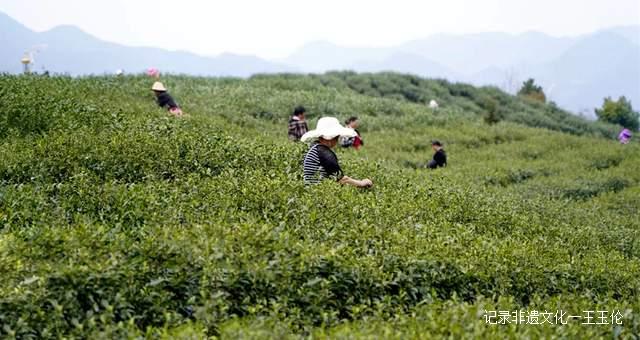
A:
(164, 99)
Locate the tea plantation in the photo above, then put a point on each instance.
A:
(118, 220)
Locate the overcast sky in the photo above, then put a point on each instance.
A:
(275, 28)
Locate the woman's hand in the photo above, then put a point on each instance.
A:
(366, 183)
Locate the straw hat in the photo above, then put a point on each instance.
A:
(158, 86)
(328, 128)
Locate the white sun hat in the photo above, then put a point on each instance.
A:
(328, 128)
(158, 86)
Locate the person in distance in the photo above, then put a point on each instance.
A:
(164, 99)
(355, 142)
(297, 124)
(439, 157)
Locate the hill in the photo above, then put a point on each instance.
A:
(631, 33)
(473, 53)
(407, 63)
(117, 220)
(497, 58)
(569, 68)
(613, 67)
(459, 99)
(71, 51)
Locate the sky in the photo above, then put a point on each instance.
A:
(275, 28)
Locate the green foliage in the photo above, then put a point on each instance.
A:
(461, 99)
(492, 115)
(532, 91)
(120, 221)
(619, 112)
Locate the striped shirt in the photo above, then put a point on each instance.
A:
(320, 163)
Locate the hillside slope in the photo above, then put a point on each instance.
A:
(455, 99)
(117, 220)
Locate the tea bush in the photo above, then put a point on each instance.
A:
(117, 220)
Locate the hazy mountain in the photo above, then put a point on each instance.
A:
(576, 72)
(631, 33)
(467, 54)
(67, 49)
(602, 64)
(407, 63)
(476, 52)
(599, 65)
(13, 38)
(322, 56)
(505, 79)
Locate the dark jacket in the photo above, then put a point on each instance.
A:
(165, 100)
(439, 160)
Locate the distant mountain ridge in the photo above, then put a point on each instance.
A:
(576, 72)
(73, 51)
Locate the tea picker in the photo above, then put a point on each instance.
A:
(625, 136)
(153, 72)
(321, 162)
(26, 64)
(164, 99)
(439, 157)
(352, 142)
(297, 124)
(28, 59)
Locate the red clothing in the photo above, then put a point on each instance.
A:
(357, 142)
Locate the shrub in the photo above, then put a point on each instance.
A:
(619, 112)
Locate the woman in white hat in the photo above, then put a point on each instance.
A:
(164, 99)
(321, 162)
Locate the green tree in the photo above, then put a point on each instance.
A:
(492, 113)
(532, 91)
(619, 112)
